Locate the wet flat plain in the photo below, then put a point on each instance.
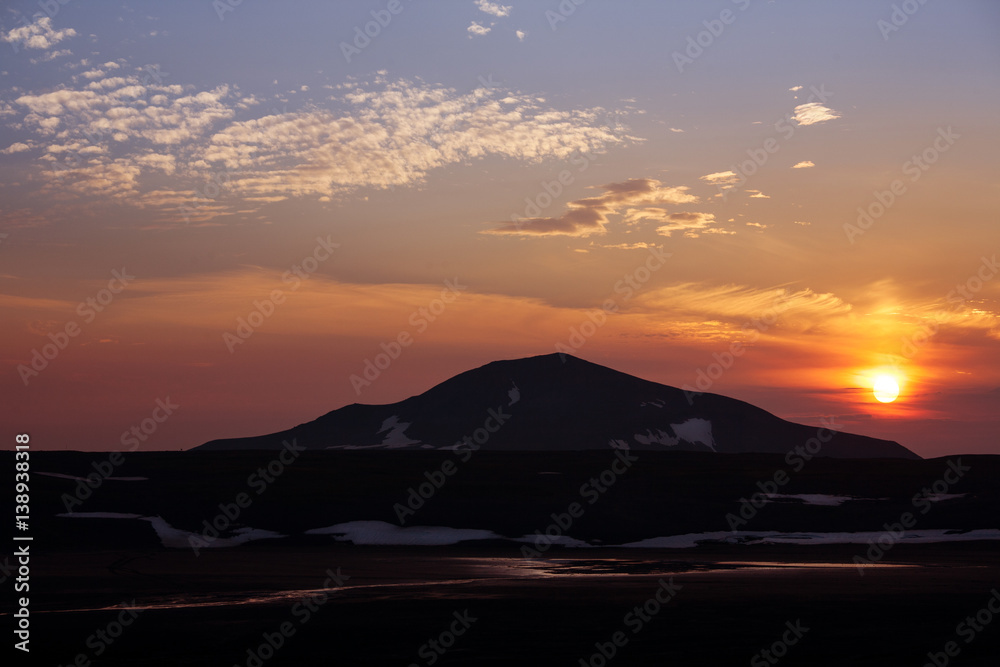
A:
(342, 604)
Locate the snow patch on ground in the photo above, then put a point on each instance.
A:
(84, 479)
(813, 498)
(100, 515)
(380, 532)
(561, 540)
(396, 436)
(927, 536)
(938, 497)
(696, 431)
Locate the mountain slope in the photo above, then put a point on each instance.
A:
(560, 402)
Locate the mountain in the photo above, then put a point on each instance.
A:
(561, 402)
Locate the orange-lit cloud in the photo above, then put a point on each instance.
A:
(587, 216)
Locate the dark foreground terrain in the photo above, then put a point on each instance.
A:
(220, 608)
(307, 599)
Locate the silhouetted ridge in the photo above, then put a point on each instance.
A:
(561, 402)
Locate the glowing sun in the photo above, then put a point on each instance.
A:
(885, 388)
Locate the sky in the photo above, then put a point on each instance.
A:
(222, 219)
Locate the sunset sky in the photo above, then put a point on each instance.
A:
(515, 169)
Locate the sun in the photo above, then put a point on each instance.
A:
(885, 389)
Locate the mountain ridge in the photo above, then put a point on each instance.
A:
(561, 402)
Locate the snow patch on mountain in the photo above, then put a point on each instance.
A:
(514, 394)
(661, 437)
(696, 431)
(396, 436)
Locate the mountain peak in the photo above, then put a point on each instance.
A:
(562, 402)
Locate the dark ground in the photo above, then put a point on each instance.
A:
(551, 614)
(546, 612)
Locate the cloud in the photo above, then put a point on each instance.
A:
(638, 245)
(478, 30)
(587, 216)
(520, 35)
(37, 35)
(688, 222)
(805, 164)
(676, 129)
(814, 112)
(795, 88)
(493, 8)
(738, 303)
(757, 194)
(375, 134)
(51, 55)
(720, 178)
(16, 147)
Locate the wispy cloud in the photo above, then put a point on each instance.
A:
(587, 216)
(688, 222)
(805, 164)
